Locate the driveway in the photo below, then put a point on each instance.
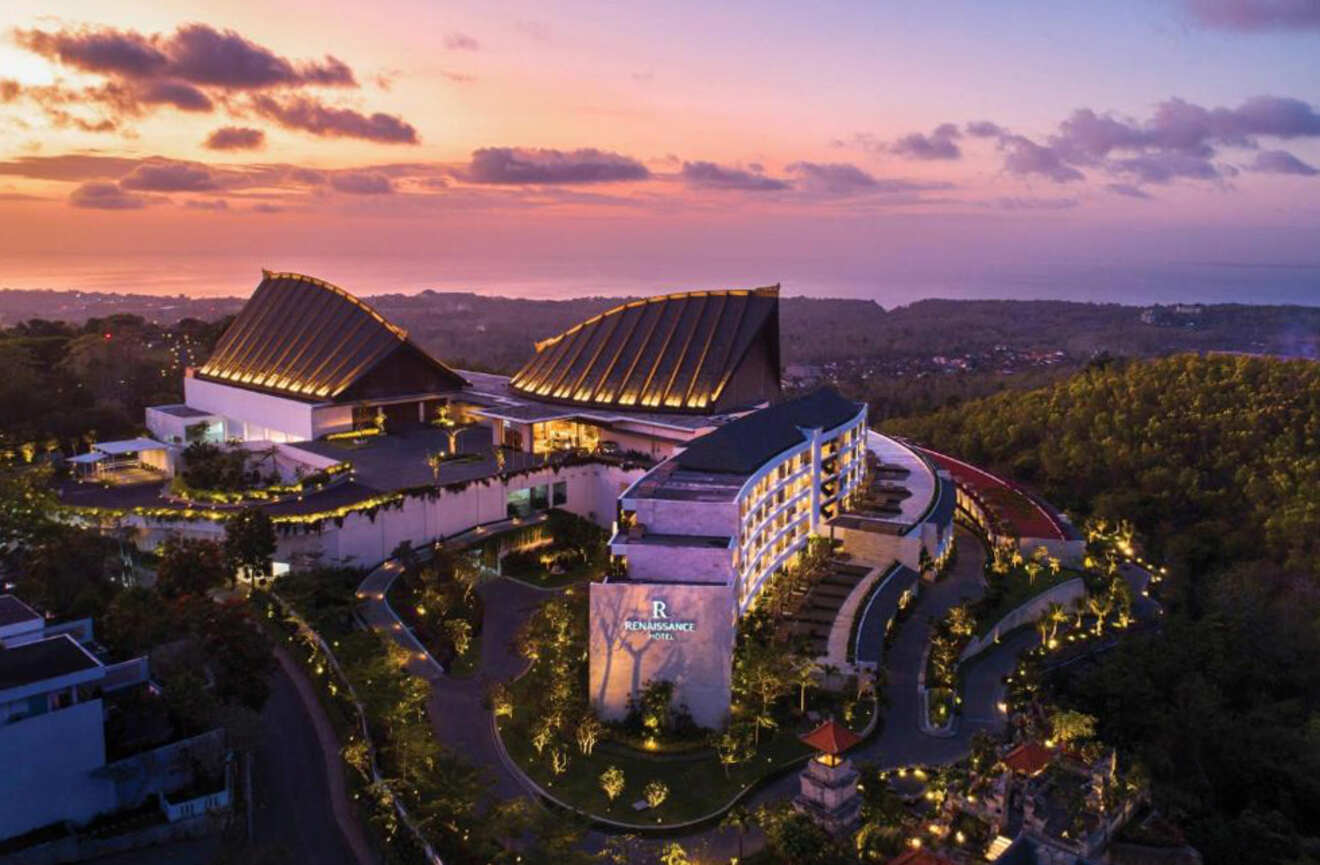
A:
(458, 717)
(293, 809)
(462, 723)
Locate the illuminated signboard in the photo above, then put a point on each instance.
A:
(659, 625)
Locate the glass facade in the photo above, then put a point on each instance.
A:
(533, 499)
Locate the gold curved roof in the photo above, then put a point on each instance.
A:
(302, 337)
(674, 352)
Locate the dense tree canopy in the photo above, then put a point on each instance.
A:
(1211, 458)
(1216, 461)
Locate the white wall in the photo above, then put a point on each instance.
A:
(363, 540)
(678, 564)
(1064, 593)
(698, 662)
(250, 415)
(679, 517)
(47, 763)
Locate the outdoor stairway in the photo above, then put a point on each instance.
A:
(816, 615)
(997, 847)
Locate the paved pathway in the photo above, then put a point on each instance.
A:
(458, 717)
(301, 813)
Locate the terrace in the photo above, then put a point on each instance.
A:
(1021, 513)
(379, 464)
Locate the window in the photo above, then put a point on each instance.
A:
(540, 497)
(519, 503)
(560, 493)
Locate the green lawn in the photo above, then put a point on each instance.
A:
(1009, 591)
(698, 784)
(543, 579)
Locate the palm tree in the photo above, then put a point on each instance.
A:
(435, 460)
(738, 817)
(804, 676)
(1033, 569)
(1056, 615)
(1099, 604)
(1043, 629)
(762, 719)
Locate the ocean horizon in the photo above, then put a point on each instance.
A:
(1187, 282)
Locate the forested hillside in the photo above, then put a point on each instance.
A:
(1213, 458)
(1216, 460)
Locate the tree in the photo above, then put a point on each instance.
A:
(459, 632)
(739, 818)
(925, 565)
(735, 745)
(961, 621)
(26, 503)
(804, 676)
(1033, 569)
(1069, 726)
(467, 574)
(136, 620)
(249, 543)
(191, 703)
(189, 567)
(794, 837)
(1055, 615)
(655, 793)
(674, 854)
(589, 730)
(612, 781)
(238, 653)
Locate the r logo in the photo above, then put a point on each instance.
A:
(659, 610)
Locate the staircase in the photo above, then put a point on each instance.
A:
(997, 847)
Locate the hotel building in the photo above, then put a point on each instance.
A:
(699, 535)
(661, 418)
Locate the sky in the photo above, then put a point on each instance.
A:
(1132, 150)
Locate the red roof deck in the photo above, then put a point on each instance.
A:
(1027, 517)
(1029, 758)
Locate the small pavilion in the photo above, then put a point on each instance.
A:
(828, 790)
(127, 460)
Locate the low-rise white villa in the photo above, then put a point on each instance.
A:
(53, 693)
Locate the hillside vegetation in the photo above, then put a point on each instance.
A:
(1216, 461)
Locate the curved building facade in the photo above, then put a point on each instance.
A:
(699, 536)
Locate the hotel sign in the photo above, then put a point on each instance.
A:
(659, 625)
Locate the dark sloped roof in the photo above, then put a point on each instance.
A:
(676, 352)
(301, 337)
(744, 445)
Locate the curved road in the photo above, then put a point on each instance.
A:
(463, 723)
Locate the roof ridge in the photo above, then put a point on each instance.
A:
(762, 291)
(346, 295)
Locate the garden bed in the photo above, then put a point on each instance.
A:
(410, 606)
(699, 786)
(1009, 591)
